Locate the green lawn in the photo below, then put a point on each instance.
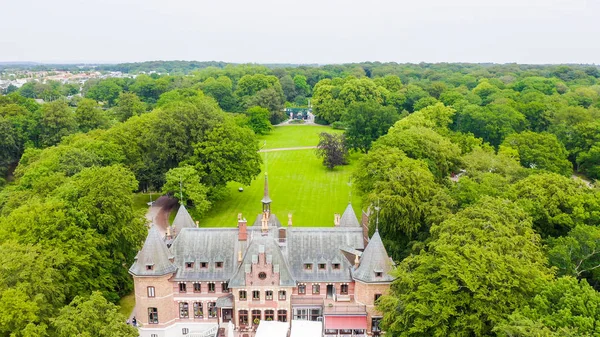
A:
(141, 200)
(298, 184)
(126, 304)
(295, 135)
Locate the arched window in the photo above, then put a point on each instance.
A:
(243, 314)
(184, 311)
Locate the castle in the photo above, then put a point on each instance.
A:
(193, 278)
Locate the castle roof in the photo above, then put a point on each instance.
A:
(349, 218)
(266, 198)
(154, 258)
(374, 260)
(182, 220)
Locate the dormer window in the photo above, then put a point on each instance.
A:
(336, 266)
(189, 265)
(308, 266)
(322, 266)
(203, 264)
(378, 274)
(149, 267)
(219, 264)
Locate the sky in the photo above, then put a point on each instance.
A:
(301, 32)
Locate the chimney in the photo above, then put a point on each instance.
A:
(356, 261)
(242, 229)
(336, 219)
(197, 223)
(240, 255)
(289, 219)
(169, 236)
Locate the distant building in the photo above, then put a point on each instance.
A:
(193, 280)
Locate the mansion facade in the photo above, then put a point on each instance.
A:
(193, 277)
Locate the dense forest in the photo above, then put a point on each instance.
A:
(484, 175)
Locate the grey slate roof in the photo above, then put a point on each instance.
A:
(183, 219)
(349, 218)
(273, 221)
(274, 255)
(154, 253)
(322, 245)
(209, 245)
(225, 301)
(374, 259)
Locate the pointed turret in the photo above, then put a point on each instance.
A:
(266, 200)
(182, 220)
(375, 264)
(154, 259)
(349, 218)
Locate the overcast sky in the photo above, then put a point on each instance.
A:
(308, 31)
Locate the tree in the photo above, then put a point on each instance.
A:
(57, 121)
(92, 316)
(128, 105)
(184, 184)
(589, 162)
(221, 89)
(540, 151)
(332, 149)
(492, 123)
(366, 122)
(302, 87)
(89, 116)
(577, 254)
(563, 307)
(107, 90)
(289, 87)
(269, 99)
(479, 266)
(258, 120)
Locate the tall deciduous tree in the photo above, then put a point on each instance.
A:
(184, 184)
(258, 120)
(541, 151)
(89, 116)
(128, 105)
(480, 265)
(366, 122)
(57, 121)
(332, 149)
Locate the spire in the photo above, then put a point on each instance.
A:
(154, 258)
(266, 200)
(349, 218)
(375, 264)
(182, 220)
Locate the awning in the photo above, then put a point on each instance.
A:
(225, 301)
(346, 322)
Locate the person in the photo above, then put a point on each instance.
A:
(134, 321)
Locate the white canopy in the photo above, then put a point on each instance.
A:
(306, 329)
(272, 329)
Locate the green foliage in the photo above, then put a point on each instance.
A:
(184, 184)
(577, 254)
(365, 122)
(128, 105)
(258, 120)
(479, 266)
(491, 123)
(332, 148)
(89, 116)
(57, 121)
(93, 316)
(541, 151)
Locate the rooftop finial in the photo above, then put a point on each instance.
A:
(377, 208)
(180, 192)
(266, 200)
(350, 190)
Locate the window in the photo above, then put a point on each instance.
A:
(189, 265)
(282, 315)
(212, 309)
(185, 331)
(149, 267)
(198, 310)
(184, 311)
(307, 314)
(255, 317)
(203, 264)
(243, 295)
(182, 287)
(269, 315)
(243, 314)
(225, 287)
(316, 289)
(219, 264)
(269, 295)
(152, 316)
(308, 266)
(322, 266)
(151, 292)
(262, 275)
(197, 287)
(255, 295)
(211, 287)
(377, 296)
(336, 266)
(378, 274)
(375, 324)
(344, 290)
(302, 289)
(153, 335)
(282, 295)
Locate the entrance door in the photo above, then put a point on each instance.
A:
(330, 291)
(227, 313)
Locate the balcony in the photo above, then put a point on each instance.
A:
(345, 309)
(307, 300)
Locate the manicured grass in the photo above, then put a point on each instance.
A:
(295, 136)
(141, 200)
(298, 184)
(126, 304)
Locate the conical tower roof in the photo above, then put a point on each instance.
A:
(183, 219)
(374, 260)
(266, 199)
(154, 258)
(349, 218)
